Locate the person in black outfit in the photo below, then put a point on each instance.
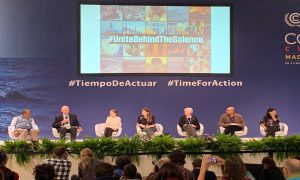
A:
(209, 175)
(7, 173)
(67, 123)
(130, 172)
(169, 171)
(121, 162)
(44, 172)
(146, 121)
(270, 122)
(270, 170)
(189, 123)
(177, 157)
(105, 171)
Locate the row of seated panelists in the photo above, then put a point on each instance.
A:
(100, 128)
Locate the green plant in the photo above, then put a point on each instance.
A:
(285, 147)
(158, 145)
(192, 145)
(254, 144)
(100, 146)
(47, 145)
(20, 149)
(129, 146)
(292, 146)
(74, 147)
(163, 143)
(227, 144)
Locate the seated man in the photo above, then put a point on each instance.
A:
(67, 123)
(189, 123)
(231, 121)
(24, 125)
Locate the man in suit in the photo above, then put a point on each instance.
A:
(67, 123)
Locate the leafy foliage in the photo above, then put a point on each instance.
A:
(20, 149)
(254, 144)
(100, 146)
(162, 143)
(129, 146)
(284, 147)
(226, 144)
(193, 145)
(47, 146)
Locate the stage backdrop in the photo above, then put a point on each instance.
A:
(38, 70)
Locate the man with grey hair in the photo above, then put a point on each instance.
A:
(24, 126)
(231, 121)
(291, 169)
(67, 123)
(189, 123)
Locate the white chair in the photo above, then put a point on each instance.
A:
(283, 130)
(57, 135)
(11, 133)
(182, 133)
(159, 131)
(243, 132)
(100, 128)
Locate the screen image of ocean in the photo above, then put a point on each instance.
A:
(28, 83)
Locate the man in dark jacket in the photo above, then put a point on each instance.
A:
(67, 123)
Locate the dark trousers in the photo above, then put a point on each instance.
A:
(271, 130)
(108, 132)
(150, 132)
(231, 129)
(190, 131)
(63, 131)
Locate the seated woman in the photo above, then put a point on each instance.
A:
(113, 123)
(146, 121)
(270, 122)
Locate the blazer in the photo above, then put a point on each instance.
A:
(73, 121)
(183, 121)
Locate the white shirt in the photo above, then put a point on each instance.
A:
(14, 122)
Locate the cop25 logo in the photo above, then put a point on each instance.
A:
(292, 19)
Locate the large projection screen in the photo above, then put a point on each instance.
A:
(166, 40)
